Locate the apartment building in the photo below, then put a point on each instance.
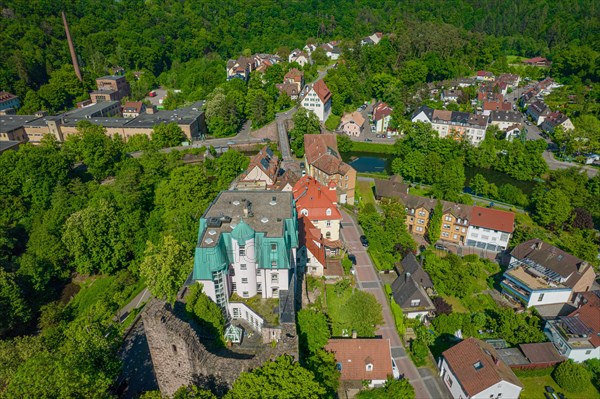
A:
(490, 229)
(317, 98)
(456, 125)
(319, 204)
(110, 88)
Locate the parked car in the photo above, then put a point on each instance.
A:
(301, 165)
(368, 140)
(352, 259)
(373, 129)
(364, 241)
(230, 142)
(440, 247)
(266, 140)
(303, 172)
(152, 94)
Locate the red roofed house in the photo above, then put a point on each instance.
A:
(293, 82)
(490, 229)
(352, 123)
(262, 172)
(325, 164)
(133, 109)
(485, 76)
(311, 249)
(382, 114)
(473, 369)
(317, 98)
(318, 203)
(363, 359)
(577, 336)
(537, 61)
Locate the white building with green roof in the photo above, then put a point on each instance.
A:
(247, 244)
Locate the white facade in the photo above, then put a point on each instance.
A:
(313, 103)
(421, 117)
(329, 228)
(239, 310)
(492, 240)
(549, 297)
(257, 174)
(310, 263)
(578, 351)
(503, 389)
(382, 124)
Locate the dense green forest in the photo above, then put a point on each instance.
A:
(185, 44)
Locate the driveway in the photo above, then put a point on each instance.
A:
(426, 384)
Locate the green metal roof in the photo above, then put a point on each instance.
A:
(242, 232)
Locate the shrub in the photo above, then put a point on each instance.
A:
(571, 376)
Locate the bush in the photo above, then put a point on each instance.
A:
(571, 376)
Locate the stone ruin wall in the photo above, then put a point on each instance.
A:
(180, 358)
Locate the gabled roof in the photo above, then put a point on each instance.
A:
(6, 96)
(381, 110)
(589, 314)
(539, 107)
(442, 115)
(493, 219)
(266, 161)
(428, 111)
(317, 200)
(322, 90)
(550, 257)
(405, 289)
(477, 366)
(390, 188)
(133, 106)
(410, 265)
(496, 106)
(311, 237)
(506, 116)
(535, 60)
(556, 118)
(321, 151)
(353, 355)
(295, 75)
(355, 117)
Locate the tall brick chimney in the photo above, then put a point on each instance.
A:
(72, 48)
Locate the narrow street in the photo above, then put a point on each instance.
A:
(427, 384)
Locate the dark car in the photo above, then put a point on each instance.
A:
(368, 140)
(549, 389)
(440, 247)
(364, 241)
(352, 259)
(301, 165)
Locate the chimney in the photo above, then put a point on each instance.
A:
(354, 335)
(538, 245)
(406, 276)
(71, 48)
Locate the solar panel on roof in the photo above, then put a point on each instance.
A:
(264, 163)
(269, 152)
(575, 326)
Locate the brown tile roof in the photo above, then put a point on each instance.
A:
(442, 115)
(322, 90)
(266, 161)
(390, 188)
(311, 237)
(354, 354)
(381, 110)
(133, 106)
(462, 358)
(541, 352)
(288, 177)
(458, 210)
(321, 152)
(295, 75)
(551, 258)
(497, 106)
(493, 219)
(291, 89)
(355, 117)
(6, 96)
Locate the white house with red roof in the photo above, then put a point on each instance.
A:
(382, 115)
(485, 76)
(490, 229)
(300, 57)
(319, 204)
(363, 359)
(472, 369)
(317, 98)
(311, 254)
(262, 171)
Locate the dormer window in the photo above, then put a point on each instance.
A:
(369, 367)
(304, 212)
(478, 365)
(328, 212)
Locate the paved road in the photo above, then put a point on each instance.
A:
(139, 300)
(426, 384)
(555, 164)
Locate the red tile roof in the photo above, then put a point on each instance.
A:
(311, 237)
(321, 151)
(133, 106)
(353, 355)
(266, 161)
(493, 219)
(462, 358)
(497, 106)
(535, 60)
(322, 90)
(316, 199)
(381, 110)
(295, 75)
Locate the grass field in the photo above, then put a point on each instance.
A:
(366, 192)
(534, 386)
(91, 290)
(514, 59)
(335, 304)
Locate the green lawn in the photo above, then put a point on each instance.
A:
(514, 59)
(264, 307)
(374, 148)
(456, 303)
(332, 122)
(420, 191)
(534, 386)
(91, 290)
(334, 308)
(365, 189)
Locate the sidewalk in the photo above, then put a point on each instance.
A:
(426, 384)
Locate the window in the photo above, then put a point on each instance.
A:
(328, 223)
(415, 302)
(257, 272)
(421, 213)
(233, 286)
(259, 287)
(245, 294)
(448, 380)
(232, 272)
(587, 352)
(478, 365)
(328, 212)
(244, 280)
(236, 312)
(274, 278)
(338, 366)
(419, 228)
(455, 236)
(504, 237)
(273, 247)
(420, 221)
(243, 266)
(369, 367)
(446, 226)
(328, 235)
(274, 263)
(275, 292)
(242, 250)
(448, 218)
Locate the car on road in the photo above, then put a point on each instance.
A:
(528, 123)
(303, 172)
(368, 140)
(352, 259)
(231, 142)
(364, 241)
(373, 129)
(301, 165)
(440, 247)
